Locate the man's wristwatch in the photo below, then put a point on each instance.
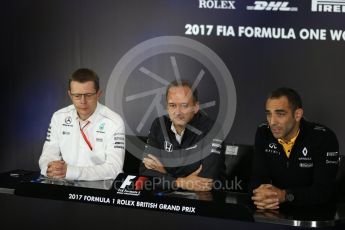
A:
(289, 197)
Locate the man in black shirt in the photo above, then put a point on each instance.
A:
(178, 149)
(295, 161)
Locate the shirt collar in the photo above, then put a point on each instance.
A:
(174, 130)
(292, 141)
(92, 117)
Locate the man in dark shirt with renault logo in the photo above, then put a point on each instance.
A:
(295, 161)
(179, 150)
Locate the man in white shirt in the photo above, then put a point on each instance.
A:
(86, 140)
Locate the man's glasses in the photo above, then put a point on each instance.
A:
(78, 96)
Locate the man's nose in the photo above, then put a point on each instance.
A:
(178, 110)
(272, 120)
(83, 99)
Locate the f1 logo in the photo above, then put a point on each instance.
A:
(128, 181)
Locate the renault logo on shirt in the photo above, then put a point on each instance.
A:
(305, 158)
(305, 151)
(168, 146)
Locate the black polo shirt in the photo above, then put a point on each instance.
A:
(181, 159)
(310, 171)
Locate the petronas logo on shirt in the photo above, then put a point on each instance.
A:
(305, 151)
(101, 126)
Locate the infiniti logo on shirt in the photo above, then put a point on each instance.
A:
(273, 146)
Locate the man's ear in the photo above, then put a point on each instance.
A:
(99, 94)
(298, 114)
(196, 107)
(69, 94)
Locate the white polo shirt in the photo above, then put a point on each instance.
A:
(105, 133)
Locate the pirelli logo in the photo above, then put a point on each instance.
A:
(331, 6)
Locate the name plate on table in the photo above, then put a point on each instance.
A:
(133, 192)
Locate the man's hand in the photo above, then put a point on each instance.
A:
(152, 162)
(193, 182)
(57, 169)
(267, 196)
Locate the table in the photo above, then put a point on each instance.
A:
(25, 188)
